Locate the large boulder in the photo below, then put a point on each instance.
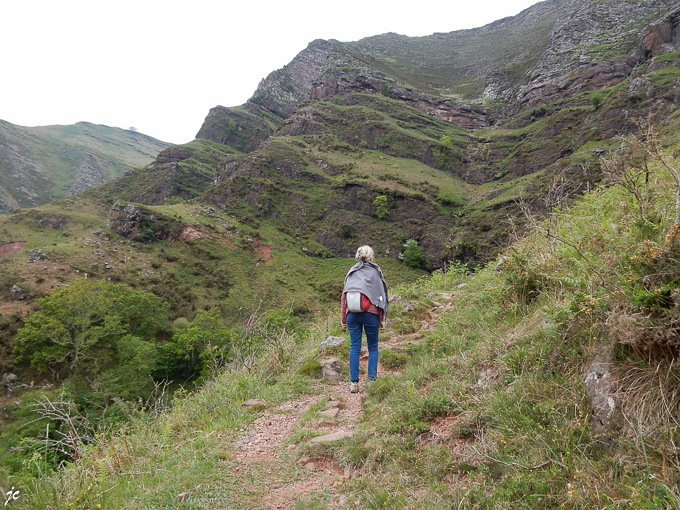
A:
(330, 369)
(10, 381)
(657, 38)
(16, 293)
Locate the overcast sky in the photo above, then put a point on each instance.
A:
(161, 65)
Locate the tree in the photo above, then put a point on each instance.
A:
(204, 342)
(446, 151)
(446, 144)
(382, 209)
(130, 376)
(413, 255)
(79, 325)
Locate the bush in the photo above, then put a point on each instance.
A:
(520, 271)
(413, 255)
(382, 209)
(539, 112)
(205, 342)
(77, 326)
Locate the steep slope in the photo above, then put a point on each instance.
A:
(551, 50)
(546, 380)
(40, 164)
(484, 62)
(310, 164)
(356, 143)
(179, 173)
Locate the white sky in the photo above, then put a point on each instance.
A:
(161, 65)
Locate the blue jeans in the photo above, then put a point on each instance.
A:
(370, 323)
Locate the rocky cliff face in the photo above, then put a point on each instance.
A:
(595, 45)
(241, 128)
(24, 183)
(344, 123)
(662, 36)
(89, 174)
(472, 78)
(283, 90)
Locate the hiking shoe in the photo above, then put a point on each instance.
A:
(354, 387)
(370, 381)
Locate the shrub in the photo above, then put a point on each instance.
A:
(382, 206)
(77, 326)
(520, 273)
(539, 112)
(446, 152)
(384, 142)
(413, 255)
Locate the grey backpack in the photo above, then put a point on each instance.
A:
(357, 302)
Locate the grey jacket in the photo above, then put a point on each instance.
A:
(367, 278)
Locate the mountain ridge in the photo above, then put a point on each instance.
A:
(44, 163)
(245, 235)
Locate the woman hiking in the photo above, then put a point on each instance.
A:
(364, 307)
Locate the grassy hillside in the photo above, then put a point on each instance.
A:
(492, 405)
(460, 62)
(189, 253)
(454, 191)
(40, 164)
(544, 379)
(192, 256)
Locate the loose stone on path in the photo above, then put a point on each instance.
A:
(329, 438)
(330, 413)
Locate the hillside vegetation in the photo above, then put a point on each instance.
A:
(524, 209)
(548, 381)
(41, 164)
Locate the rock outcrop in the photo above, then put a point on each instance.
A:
(139, 224)
(601, 385)
(551, 50)
(283, 90)
(596, 45)
(241, 128)
(16, 293)
(90, 173)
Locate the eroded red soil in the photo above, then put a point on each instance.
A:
(9, 248)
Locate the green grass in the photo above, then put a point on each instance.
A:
(488, 410)
(494, 389)
(52, 156)
(442, 61)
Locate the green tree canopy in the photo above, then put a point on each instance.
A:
(204, 341)
(130, 372)
(446, 144)
(382, 208)
(79, 324)
(413, 255)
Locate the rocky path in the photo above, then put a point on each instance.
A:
(280, 436)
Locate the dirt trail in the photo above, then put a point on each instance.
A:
(264, 440)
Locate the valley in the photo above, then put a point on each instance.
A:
(530, 168)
